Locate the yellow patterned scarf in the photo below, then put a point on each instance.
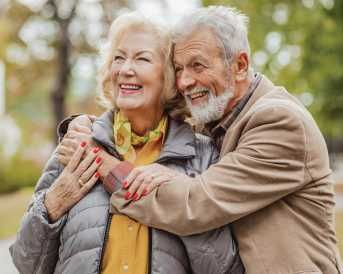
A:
(125, 139)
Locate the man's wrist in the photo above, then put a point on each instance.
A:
(115, 177)
(108, 163)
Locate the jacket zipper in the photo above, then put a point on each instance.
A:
(103, 248)
(108, 225)
(150, 250)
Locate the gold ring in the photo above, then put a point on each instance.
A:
(81, 183)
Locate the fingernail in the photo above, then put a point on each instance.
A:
(96, 150)
(135, 197)
(97, 174)
(145, 191)
(125, 184)
(127, 195)
(83, 144)
(98, 160)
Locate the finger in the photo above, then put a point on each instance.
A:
(69, 142)
(90, 171)
(64, 160)
(76, 135)
(81, 120)
(156, 182)
(132, 176)
(140, 179)
(75, 159)
(63, 150)
(80, 128)
(87, 161)
(90, 183)
(79, 135)
(142, 189)
(92, 117)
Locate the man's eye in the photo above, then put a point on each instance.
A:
(178, 69)
(198, 66)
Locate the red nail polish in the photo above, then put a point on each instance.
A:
(127, 195)
(135, 197)
(98, 160)
(97, 174)
(83, 144)
(145, 192)
(125, 184)
(96, 150)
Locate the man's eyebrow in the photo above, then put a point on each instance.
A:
(176, 63)
(194, 58)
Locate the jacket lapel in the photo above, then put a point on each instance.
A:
(229, 143)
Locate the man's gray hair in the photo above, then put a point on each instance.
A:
(228, 24)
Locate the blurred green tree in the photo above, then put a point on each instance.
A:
(42, 41)
(298, 44)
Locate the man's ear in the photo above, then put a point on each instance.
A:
(241, 66)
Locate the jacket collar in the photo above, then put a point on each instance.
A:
(179, 142)
(264, 86)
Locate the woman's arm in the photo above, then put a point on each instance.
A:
(36, 247)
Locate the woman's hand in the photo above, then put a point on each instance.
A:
(79, 130)
(76, 180)
(142, 180)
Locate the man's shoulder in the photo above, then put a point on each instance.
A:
(279, 104)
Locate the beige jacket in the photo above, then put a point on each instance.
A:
(273, 183)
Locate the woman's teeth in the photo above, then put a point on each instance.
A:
(130, 86)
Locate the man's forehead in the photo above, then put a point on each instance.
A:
(200, 43)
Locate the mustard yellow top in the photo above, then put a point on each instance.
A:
(127, 247)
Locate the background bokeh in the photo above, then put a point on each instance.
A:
(49, 58)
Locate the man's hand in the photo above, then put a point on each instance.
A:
(79, 130)
(142, 180)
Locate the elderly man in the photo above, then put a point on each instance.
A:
(273, 181)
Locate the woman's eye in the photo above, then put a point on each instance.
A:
(144, 59)
(118, 58)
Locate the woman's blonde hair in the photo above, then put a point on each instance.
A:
(172, 101)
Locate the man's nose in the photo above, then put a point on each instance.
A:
(127, 69)
(185, 81)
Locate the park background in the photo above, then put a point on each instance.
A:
(49, 59)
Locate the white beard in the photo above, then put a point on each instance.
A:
(211, 110)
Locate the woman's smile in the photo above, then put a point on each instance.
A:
(130, 89)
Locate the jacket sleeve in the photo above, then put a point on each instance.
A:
(267, 164)
(35, 249)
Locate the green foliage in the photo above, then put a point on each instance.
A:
(17, 173)
(315, 29)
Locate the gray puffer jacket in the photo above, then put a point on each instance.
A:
(75, 243)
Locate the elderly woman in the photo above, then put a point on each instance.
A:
(68, 227)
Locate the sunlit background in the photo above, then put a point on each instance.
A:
(48, 65)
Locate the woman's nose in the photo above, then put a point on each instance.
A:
(127, 69)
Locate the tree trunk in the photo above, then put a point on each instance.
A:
(59, 90)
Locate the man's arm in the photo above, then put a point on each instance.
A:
(268, 164)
